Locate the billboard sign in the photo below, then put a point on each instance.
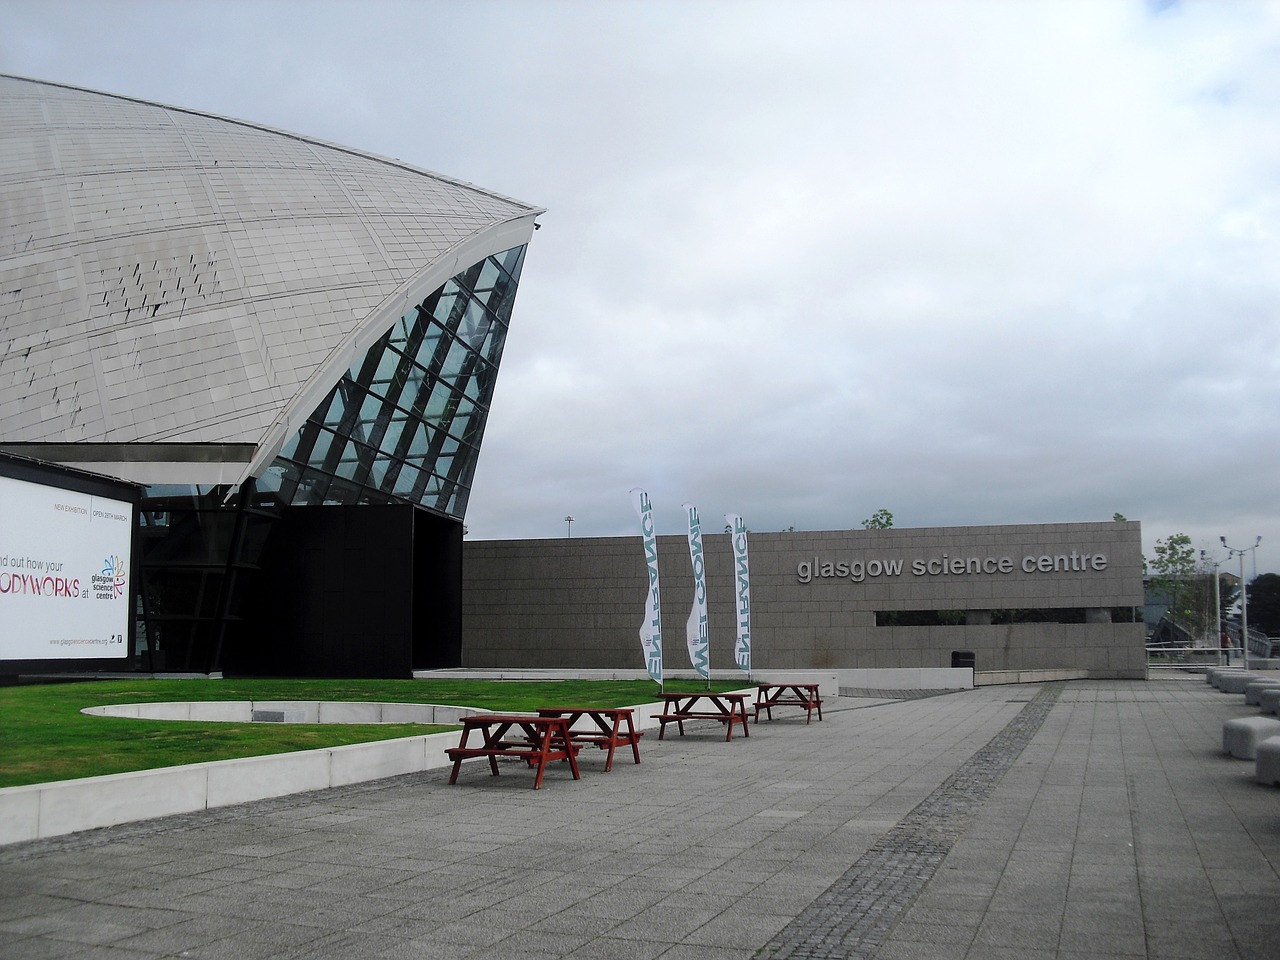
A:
(66, 569)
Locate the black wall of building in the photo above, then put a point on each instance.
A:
(353, 591)
(437, 592)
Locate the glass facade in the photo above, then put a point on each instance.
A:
(402, 425)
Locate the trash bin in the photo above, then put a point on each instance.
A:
(962, 658)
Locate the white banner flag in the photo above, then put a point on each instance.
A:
(742, 646)
(696, 629)
(651, 628)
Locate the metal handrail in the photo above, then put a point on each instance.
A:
(1191, 659)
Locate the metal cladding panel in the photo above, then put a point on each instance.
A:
(169, 276)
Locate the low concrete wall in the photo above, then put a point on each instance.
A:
(550, 674)
(287, 711)
(990, 678)
(908, 678)
(66, 806)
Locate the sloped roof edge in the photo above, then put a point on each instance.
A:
(277, 131)
(491, 240)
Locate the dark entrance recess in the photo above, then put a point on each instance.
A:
(962, 658)
(353, 591)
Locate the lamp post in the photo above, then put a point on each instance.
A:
(1244, 593)
(1217, 598)
(569, 521)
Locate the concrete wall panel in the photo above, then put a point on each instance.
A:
(71, 805)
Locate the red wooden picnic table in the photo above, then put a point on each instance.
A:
(539, 741)
(770, 695)
(728, 708)
(608, 728)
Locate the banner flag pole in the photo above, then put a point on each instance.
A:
(696, 634)
(651, 626)
(742, 577)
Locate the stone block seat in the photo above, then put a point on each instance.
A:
(1212, 673)
(1268, 762)
(1269, 700)
(1253, 692)
(1241, 736)
(1235, 682)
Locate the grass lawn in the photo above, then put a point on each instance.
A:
(45, 737)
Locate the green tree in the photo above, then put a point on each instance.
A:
(1184, 580)
(882, 519)
(1173, 571)
(1264, 603)
(1199, 615)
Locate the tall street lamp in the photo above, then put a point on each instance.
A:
(1244, 593)
(1217, 599)
(569, 521)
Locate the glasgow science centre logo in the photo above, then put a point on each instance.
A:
(110, 583)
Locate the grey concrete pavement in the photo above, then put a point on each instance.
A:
(1082, 819)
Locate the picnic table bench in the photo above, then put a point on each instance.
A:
(608, 728)
(770, 695)
(728, 708)
(539, 741)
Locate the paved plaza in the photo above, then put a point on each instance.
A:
(1084, 819)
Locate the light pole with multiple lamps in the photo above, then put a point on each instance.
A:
(1244, 592)
(1217, 600)
(569, 521)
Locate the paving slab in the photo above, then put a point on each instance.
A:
(1059, 820)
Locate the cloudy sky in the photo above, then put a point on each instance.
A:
(972, 262)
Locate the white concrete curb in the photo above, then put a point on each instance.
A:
(287, 711)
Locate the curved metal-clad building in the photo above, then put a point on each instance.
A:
(245, 321)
